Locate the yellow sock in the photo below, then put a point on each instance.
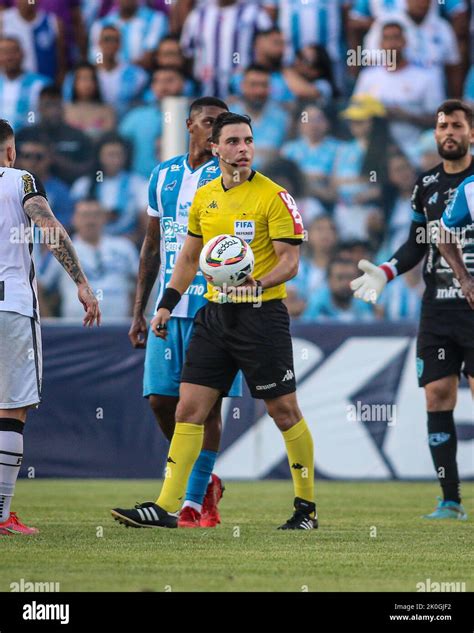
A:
(184, 450)
(299, 446)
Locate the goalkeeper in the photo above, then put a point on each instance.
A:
(445, 343)
(232, 336)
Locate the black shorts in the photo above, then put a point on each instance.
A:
(445, 345)
(256, 340)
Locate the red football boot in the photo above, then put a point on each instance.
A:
(189, 518)
(210, 514)
(13, 525)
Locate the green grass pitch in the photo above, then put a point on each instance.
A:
(370, 539)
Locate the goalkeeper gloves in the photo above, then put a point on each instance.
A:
(369, 286)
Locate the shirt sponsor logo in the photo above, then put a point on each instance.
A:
(175, 167)
(432, 178)
(245, 229)
(433, 199)
(290, 204)
(206, 181)
(171, 228)
(212, 169)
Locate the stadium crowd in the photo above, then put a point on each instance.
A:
(342, 96)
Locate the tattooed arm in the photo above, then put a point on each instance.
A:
(59, 243)
(147, 273)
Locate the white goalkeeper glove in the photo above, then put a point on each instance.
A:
(369, 286)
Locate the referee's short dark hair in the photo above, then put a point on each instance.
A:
(6, 131)
(451, 105)
(228, 118)
(198, 104)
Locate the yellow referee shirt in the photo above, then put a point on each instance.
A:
(258, 211)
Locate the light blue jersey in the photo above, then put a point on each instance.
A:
(460, 212)
(171, 191)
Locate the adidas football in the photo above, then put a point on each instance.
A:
(226, 260)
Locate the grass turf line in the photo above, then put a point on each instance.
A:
(245, 553)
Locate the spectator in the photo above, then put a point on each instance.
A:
(270, 122)
(269, 49)
(219, 37)
(288, 174)
(121, 84)
(353, 250)
(401, 298)
(430, 43)
(311, 75)
(141, 29)
(409, 94)
(312, 273)
(397, 194)
(35, 157)
(75, 34)
(93, 10)
(121, 193)
(71, 150)
(19, 90)
(360, 168)
(335, 301)
(110, 263)
(317, 22)
(314, 151)
(169, 55)
(469, 86)
(142, 126)
(87, 110)
(41, 36)
(364, 12)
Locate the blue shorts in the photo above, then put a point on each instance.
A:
(164, 360)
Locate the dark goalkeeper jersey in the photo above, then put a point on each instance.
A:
(433, 191)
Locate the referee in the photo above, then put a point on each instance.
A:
(252, 333)
(445, 343)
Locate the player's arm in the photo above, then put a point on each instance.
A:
(458, 215)
(370, 285)
(184, 272)
(147, 273)
(288, 255)
(37, 208)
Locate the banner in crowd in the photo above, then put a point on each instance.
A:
(357, 388)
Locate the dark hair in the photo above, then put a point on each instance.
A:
(324, 64)
(286, 169)
(198, 104)
(108, 138)
(451, 105)
(228, 118)
(256, 68)
(6, 131)
(110, 27)
(337, 260)
(51, 91)
(173, 69)
(168, 38)
(97, 97)
(390, 23)
(270, 31)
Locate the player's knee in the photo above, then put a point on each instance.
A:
(285, 413)
(189, 411)
(164, 408)
(214, 419)
(440, 396)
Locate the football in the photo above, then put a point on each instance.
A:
(226, 260)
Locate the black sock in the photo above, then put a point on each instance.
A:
(443, 446)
